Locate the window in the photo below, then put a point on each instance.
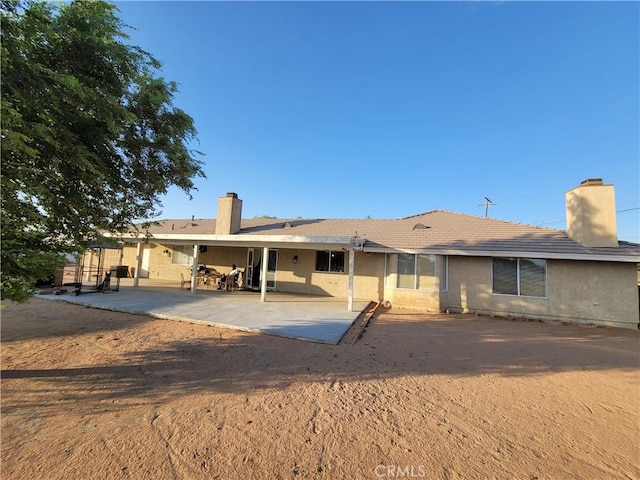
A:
(520, 276)
(426, 272)
(533, 277)
(273, 260)
(416, 272)
(406, 270)
(182, 255)
(328, 261)
(505, 276)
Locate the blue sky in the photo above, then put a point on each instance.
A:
(389, 109)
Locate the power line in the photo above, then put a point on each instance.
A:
(617, 211)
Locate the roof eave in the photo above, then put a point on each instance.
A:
(512, 253)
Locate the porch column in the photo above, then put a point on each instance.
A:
(352, 262)
(120, 264)
(194, 268)
(90, 264)
(136, 275)
(263, 274)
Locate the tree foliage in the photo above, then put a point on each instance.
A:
(90, 136)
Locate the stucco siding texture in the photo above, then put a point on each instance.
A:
(577, 291)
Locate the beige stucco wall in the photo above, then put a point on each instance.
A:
(369, 276)
(300, 277)
(426, 300)
(110, 258)
(587, 292)
(229, 214)
(591, 215)
(162, 267)
(223, 258)
(469, 282)
(602, 292)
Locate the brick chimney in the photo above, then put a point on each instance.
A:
(229, 214)
(591, 214)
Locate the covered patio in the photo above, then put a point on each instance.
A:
(313, 318)
(264, 244)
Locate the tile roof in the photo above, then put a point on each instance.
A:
(435, 231)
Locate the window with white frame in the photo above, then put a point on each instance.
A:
(329, 261)
(182, 255)
(417, 272)
(525, 277)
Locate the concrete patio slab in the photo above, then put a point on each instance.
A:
(302, 317)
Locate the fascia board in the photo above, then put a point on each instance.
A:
(511, 253)
(273, 241)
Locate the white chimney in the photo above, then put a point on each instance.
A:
(591, 214)
(229, 214)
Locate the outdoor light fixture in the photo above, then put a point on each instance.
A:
(295, 259)
(166, 252)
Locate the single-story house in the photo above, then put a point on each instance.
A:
(435, 261)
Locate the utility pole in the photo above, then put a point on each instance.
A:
(487, 203)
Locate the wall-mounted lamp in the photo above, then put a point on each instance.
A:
(295, 259)
(166, 253)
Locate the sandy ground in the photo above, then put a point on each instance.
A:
(92, 394)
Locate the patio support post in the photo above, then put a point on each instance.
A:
(263, 274)
(90, 262)
(194, 268)
(120, 264)
(352, 261)
(136, 275)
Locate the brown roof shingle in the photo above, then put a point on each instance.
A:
(434, 231)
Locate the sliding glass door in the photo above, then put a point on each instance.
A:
(254, 268)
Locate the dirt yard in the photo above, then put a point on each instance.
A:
(92, 394)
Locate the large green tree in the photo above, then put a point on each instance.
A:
(90, 136)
